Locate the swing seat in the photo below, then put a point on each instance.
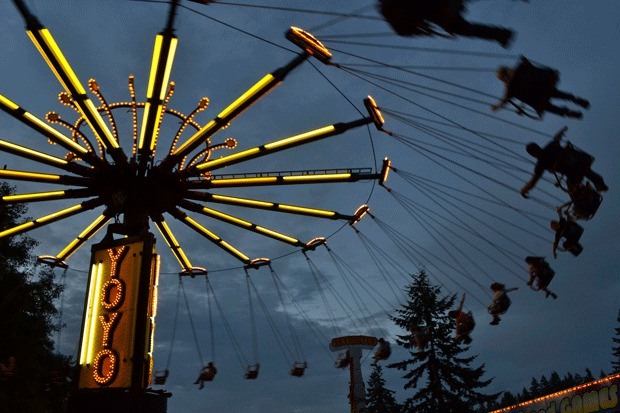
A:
(298, 369)
(586, 202)
(251, 372)
(209, 375)
(465, 324)
(574, 249)
(160, 377)
(501, 306)
(404, 18)
(533, 85)
(544, 278)
(574, 163)
(382, 353)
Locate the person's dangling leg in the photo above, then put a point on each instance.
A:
(563, 111)
(584, 103)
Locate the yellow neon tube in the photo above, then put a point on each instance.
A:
(235, 157)
(31, 153)
(248, 225)
(159, 39)
(95, 226)
(271, 180)
(29, 176)
(54, 134)
(202, 229)
(84, 236)
(59, 214)
(89, 310)
(73, 244)
(156, 90)
(271, 205)
(94, 315)
(234, 251)
(261, 86)
(310, 211)
(38, 196)
(8, 103)
(327, 177)
(277, 235)
(217, 240)
(58, 57)
(173, 244)
(264, 181)
(281, 144)
(36, 123)
(297, 139)
(42, 220)
(242, 201)
(226, 217)
(188, 145)
(72, 85)
(20, 228)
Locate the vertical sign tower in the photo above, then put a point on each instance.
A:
(116, 346)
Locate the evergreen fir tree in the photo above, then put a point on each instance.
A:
(30, 373)
(450, 384)
(555, 383)
(379, 399)
(534, 387)
(544, 386)
(615, 351)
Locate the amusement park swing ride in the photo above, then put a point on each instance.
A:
(133, 189)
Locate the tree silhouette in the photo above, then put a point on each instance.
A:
(615, 351)
(32, 378)
(380, 399)
(450, 384)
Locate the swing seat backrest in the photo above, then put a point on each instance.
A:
(465, 323)
(586, 202)
(502, 304)
(405, 17)
(160, 377)
(574, 163)
(252, 372)
(545, 276)
(209, 375)
(533, 85)
(298, 371)
(573, 232)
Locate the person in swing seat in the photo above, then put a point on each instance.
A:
(564, 160)
(571, 232)
(541, 272)
(207, 373)
(417, 17)
(383, 351)
(500, 303)
(584, 200)
(536, 86)
(464, 323)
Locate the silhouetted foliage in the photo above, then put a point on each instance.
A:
(543, 386)
(615, 350)
(32, 378)
(450, 384)
(379, 399)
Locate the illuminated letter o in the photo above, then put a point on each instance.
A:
(99, 364)
(112, 303)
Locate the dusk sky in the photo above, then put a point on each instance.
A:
(454, 209)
